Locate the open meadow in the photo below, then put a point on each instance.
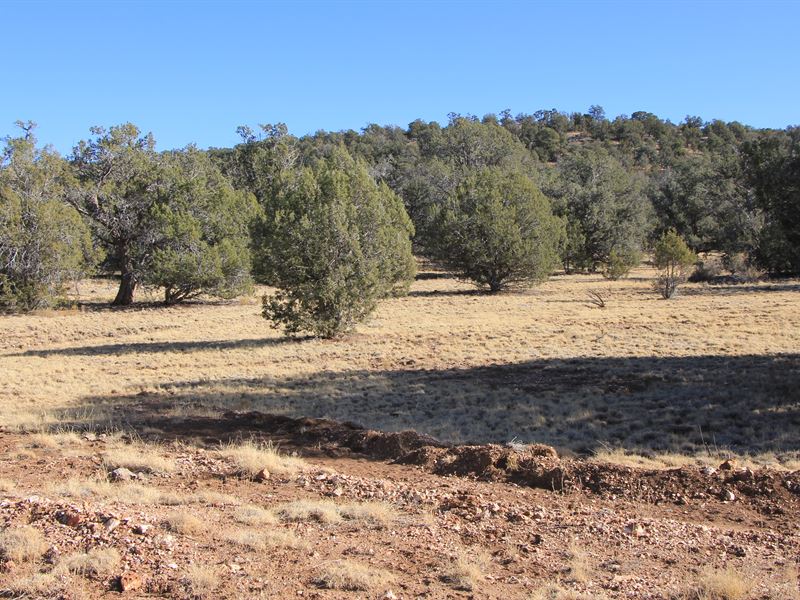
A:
(715, 369)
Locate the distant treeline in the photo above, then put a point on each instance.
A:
(502, 200)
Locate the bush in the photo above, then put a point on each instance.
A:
(672, 257)
(498, 230)
(620, 262)
(708, 269)
(334, 243)
(44, 245)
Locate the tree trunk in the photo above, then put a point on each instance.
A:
(127, 284)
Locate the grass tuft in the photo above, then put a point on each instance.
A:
(352, 576)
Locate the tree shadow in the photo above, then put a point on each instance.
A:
(746, 404)
(445, 293)
(167, 346)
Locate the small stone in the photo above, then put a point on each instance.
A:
(111, 524)
(69, 518)
(389, 595)
(129, 582)
(141, 529)
(337, 492)
(234, 567)
(262, 475)
(122, 474)
(728, 496)
(172, 566)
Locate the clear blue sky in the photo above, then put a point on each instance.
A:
(193, 71)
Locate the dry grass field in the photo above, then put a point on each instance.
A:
(716, 369)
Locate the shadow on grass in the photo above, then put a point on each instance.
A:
(158, 347)
(747, 404)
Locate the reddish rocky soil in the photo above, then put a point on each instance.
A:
(525, 517)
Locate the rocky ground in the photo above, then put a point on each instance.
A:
(344, 512)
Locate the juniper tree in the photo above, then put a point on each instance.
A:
(497, 230)
(43, 242)
(334, 242)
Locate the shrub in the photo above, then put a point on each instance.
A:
(334, 243)
(498, 230)
(707, 269)
(620, 262)
(672, 257)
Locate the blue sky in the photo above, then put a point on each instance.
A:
(193, 71)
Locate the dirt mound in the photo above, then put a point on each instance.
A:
(537, 466)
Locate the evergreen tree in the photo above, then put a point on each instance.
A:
(498, 230)
(334, 242)
(44, 244)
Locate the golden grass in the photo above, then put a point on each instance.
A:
(138, 458)
(464, 572)
(250, 514)
(35, 585)
(579, 566)
(202, 580)
(259, 541)
(22, 544)
(321, 511)
(709, 369)
(7, 486)
(352, 576)
(720, 584)
(556, 592)
(97, 562)
(135, 493)
(376, 514)
(185, 523)
(251, 457)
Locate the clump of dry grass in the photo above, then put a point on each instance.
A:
(464, 573)
(261, 540)
(250, 514)
(7, 486)
(201, 580)
(53, 439)
(352, 576)
(377, 514)
(34, 585)
(579, 569)
(556, 592)
(22, 544)
(98, 562)
(139, 459)
(719, 584)
(136, 493)
(126, 493)
(322, 511)
(251, 457)
(184, 523)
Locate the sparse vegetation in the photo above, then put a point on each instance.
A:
(22, 544)
(202, 580)
(251, 457)
(138, 458)
(97, 562)
(352, 576)
(185, 523)
(673, 258)
(720, 584)
(465, 572)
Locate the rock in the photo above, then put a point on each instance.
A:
(389, 595)
(122, 474)
(708, 471)
(141, 529)
(728, 465)
(728, 496)
(111, 524)
(634, 529)
(337, 492)
(262, 475)
(69, 518)
(129, 582)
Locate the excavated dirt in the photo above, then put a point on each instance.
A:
(523, 518)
